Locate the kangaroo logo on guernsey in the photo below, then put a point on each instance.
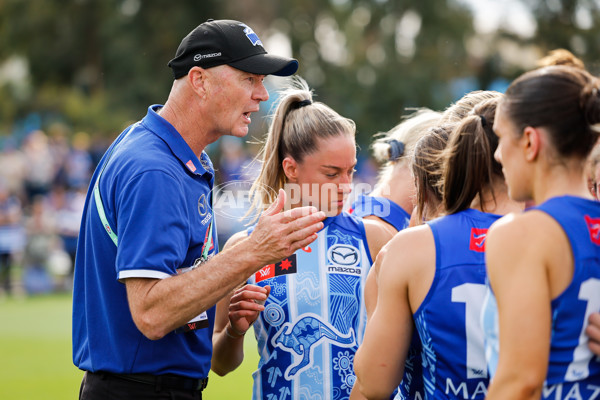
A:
(593, 225)
(307, 332)
(477, 241)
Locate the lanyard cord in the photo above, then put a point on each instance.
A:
(99, 205)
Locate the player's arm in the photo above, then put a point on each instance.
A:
(519, 279)
(379, 361)
(378, 235)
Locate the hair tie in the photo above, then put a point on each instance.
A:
(483, 120)
(396, 149)
(303, 103)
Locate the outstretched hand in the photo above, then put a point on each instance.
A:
(279, 234)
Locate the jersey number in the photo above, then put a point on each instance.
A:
(578, 369)
(473, 294)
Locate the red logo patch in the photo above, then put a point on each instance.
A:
(191, 166)
(284, 267)
(477, 242)
(593, 225)
(265, 273)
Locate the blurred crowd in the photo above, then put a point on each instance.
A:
(43, 183)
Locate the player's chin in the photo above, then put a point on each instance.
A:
(333, 210)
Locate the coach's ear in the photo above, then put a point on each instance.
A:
(196, 78)
(290, 169)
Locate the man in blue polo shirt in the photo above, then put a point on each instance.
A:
(147, 275)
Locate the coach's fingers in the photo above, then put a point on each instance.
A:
(304, 225)
(277, 205)
(304, 229)
(300, 212)
(303, 243)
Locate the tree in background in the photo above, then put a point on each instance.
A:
(96, 64)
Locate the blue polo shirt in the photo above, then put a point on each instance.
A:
(156, 195)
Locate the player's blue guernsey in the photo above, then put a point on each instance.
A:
(387, 210)
(573, 371)
(447, 320)
(411, 387)
(314, 318)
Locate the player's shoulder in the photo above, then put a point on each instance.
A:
(531, 225)
(236, 238)
(414, 245)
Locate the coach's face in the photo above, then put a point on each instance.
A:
(232, 96)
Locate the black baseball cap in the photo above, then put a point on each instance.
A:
(218, 42)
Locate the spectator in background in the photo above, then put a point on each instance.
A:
(13, 169)
(66, 207)
(233, 159)
(41, 241)
(41, 166)
(78, 162)
(12, 235)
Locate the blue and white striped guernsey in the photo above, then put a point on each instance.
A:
(314, 318)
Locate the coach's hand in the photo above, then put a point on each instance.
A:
(278, 234)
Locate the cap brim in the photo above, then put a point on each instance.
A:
(267, 64)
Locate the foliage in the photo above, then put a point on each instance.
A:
(105, 60)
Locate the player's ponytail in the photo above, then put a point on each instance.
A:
(469, 166)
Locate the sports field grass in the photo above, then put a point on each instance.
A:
(35, 354)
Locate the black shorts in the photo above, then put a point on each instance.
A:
(106, 386)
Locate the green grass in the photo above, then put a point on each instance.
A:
(35, 354)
